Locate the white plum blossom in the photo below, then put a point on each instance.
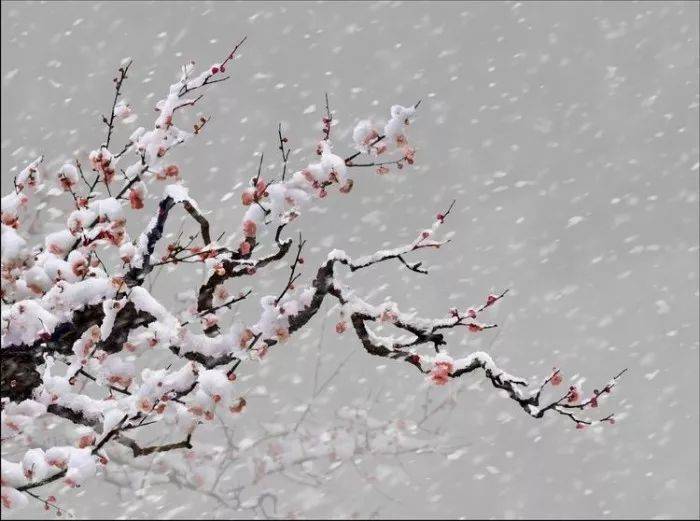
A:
(394, 129)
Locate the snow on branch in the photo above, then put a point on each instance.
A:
(76, 325)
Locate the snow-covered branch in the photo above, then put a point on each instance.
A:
(76, 324)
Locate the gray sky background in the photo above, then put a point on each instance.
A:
(567, 132)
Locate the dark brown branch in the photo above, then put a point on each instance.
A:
(285, 154)
(136, 275)
(43, 482)
(209, 81)
(292, 277)
(123, 150)
(72, 415)
(203, 223)
(117, 92)
(327, 121)
(145, 451)
(226, 304)
(237, 266)
(375, 163)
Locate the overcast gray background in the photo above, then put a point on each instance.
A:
(568, 133)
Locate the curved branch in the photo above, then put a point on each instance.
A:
(149, 238)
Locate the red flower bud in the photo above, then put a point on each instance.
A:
(556, 379)
(491, 299)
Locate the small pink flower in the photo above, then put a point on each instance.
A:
(249, 228)
(79, 267)
(340, 327)
(491, 299)
(388, 316)
(475, 328)
(108, 174)
(56, 249)
(196, 410)
(135, 199)
(144, 405)
(382, 170)
(8, 501)
(247, 197)
(370, 137)
(209, 321)
(308, 176)
(10, 220)
(246, 337)
(171, 171)
(221, 292)
(244, 248)
(66, 183)
(574, 395)
(86, 441)
(238, 408)
(282, 333)
(440, 374)
(57, 462)
(556, 379)
(409, 154)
